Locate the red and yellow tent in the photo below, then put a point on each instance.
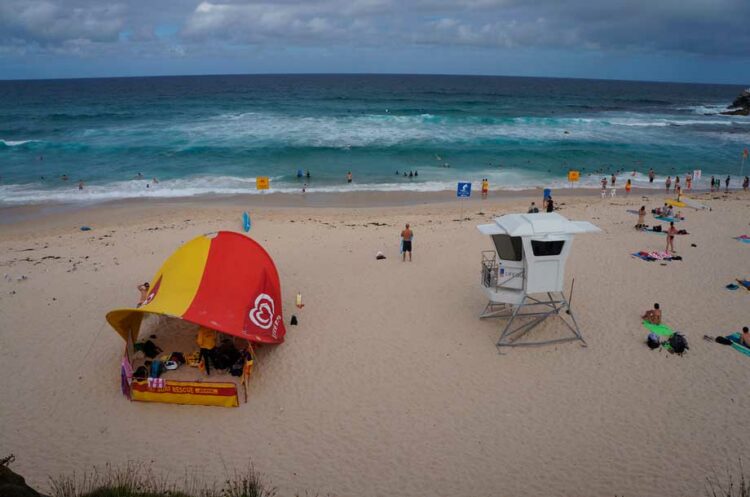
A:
(224, 281)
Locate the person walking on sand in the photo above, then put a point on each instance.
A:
(726, 182)
(628, 186)
(688, 183)
(349, 177)
(671, 232)
(485, 187)
(676, 183)
(713, 183)
(604, 183)
(613, 179)
(668, 183)
(406, 238)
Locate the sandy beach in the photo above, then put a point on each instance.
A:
(390, 384)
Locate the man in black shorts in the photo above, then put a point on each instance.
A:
(406, 236)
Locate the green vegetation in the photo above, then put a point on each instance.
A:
(135, 480)
(729, 486)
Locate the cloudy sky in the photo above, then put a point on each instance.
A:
(670, 40)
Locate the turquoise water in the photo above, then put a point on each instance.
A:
(215, 134)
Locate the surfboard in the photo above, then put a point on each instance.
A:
(246, 224)
(676, 203)
(693, 203)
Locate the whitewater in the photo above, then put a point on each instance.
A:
(189, 136)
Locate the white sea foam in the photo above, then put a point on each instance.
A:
(441, 180)
(705, 109)
(15, 143)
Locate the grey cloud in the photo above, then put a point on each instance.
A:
(705, 27)
(46, 22)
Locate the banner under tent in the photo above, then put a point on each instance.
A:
(222, 288)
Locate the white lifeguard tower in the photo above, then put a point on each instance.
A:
(526, 270)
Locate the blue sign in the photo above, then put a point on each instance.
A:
(463, 190)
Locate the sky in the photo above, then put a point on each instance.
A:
(656, 40)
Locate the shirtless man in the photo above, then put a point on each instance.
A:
(671, 232)
(144, 288)
(406, 235)
(653, 316)
(745, 337)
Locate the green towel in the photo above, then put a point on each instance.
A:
(659, 329)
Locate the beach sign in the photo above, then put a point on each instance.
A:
(463, 190)
(574, 176)
(262, 183)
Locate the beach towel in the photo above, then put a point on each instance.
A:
(651, 230)
(669, 219)
(654, 256)
(743, 238)
(735, 338)
(661, 330)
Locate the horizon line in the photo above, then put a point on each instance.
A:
(73, 78)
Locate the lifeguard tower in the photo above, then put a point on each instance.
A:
(523, 276)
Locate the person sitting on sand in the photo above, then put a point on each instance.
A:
(533, 209)
(745, 337)
(641, 218)
(144, 289)
(653, 316)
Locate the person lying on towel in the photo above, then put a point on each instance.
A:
(743, 339)
(653, 316)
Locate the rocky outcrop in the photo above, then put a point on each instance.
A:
(13, 484)
(740, 106)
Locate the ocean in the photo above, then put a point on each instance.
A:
(216, 134)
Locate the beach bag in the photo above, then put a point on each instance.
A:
(678, 342)
(653, 341)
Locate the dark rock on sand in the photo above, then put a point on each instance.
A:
(740, 106)
(13, 484)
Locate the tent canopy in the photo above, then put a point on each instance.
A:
(540, 224)
(224, 281)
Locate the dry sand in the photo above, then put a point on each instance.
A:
(390, 385)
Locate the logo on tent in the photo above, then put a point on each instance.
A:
(262, 314)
